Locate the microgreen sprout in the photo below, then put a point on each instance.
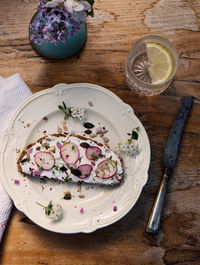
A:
(53, 210)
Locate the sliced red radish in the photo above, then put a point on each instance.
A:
(93, 152)
(44, 160)
(69, 153)
(85, 170)
(106, 169)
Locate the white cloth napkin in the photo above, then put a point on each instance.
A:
(13, 91)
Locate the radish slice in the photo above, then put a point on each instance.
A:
(69, 153)
(93, 152)
(85, 170)
(44, 160)
(106, 169)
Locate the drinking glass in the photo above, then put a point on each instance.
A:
(137, 67)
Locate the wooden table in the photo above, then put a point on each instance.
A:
(114, 28)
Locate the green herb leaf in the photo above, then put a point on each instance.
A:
(66, 116)
(67, 179)
(60, 107)
(90, 12)
(134, 135)
(48, 209)
(73, 147)
(64, 105)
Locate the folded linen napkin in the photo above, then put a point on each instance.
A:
(13, 91)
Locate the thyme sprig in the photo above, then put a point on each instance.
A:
(65, 110)
(133, 135)
(47, 208)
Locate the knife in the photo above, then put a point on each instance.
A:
(169, 160)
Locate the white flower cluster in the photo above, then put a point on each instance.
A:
(129, 149)
(55, 212)
(78, 113)
(75, 8)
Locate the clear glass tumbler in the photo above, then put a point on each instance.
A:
(149, 59)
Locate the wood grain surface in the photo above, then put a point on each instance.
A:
(110, 34)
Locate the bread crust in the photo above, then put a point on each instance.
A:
(24, 153)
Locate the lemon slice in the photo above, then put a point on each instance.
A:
(160, 63)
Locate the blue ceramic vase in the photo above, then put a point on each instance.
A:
(61, 50)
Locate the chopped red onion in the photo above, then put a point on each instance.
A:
(93, 163)
(16, 181)
(114, 208)
(81, 210)
(45, 118)
(30, 151)
(36, 172)
(59, 145)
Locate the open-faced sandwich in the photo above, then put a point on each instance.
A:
(71, 159)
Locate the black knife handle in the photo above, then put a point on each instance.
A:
(153, 223)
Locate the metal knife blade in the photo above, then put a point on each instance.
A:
(169, 160)
(172, 147)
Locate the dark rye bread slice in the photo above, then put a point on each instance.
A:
(111, 181)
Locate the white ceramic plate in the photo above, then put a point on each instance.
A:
(27, 125)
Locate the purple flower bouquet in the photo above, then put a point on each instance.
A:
(57, 22)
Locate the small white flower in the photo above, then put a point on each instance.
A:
(56, 212)
(53, 211)
(54, 3)
(79, 113)
(129, 149)
(70, 5)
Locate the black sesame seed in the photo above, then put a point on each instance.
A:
(88, 125)
(76, 172)
(88, 131)
(84, 145)
(63, 168)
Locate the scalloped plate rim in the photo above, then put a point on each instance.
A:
(49, 91)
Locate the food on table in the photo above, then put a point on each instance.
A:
(72, 158)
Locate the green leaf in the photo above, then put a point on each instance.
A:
(90, 12)
(50, 205)
(66, 116)
(67, 179)
(48, 209)
(134, 135)
(91, 2)
(64, 105)
(60, 107)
